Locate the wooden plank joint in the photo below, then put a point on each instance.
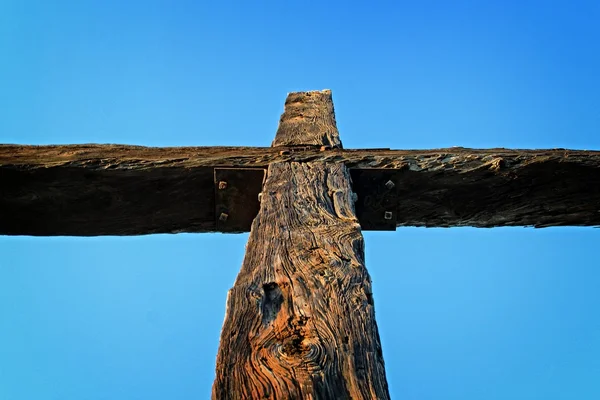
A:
(237, 197)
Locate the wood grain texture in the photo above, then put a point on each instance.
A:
(125, 157)
(308, 119)
(131, 190)
(300, 320)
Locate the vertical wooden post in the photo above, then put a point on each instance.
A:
(300, 321)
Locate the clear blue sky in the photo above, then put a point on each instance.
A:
(501, 314)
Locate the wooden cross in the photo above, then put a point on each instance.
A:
(300, 321)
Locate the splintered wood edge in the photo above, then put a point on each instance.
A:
(111, 156)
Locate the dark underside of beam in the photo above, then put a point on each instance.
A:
(88, 190)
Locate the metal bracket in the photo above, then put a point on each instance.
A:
(236, 197)
(377, 190)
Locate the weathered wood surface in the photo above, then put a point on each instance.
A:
(300, 322)
(308, 119)
(130, 190)
(101, 157)
(300, 319)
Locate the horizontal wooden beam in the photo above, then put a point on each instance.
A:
(87, 190)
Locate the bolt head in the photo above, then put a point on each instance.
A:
(390, 185)
(223, 217)
(222, 185)
(388, 215)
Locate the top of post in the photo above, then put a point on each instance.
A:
(308, 119)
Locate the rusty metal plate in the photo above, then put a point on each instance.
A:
(377, 191)
(236, 197)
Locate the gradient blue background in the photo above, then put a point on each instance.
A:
(463, 313)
